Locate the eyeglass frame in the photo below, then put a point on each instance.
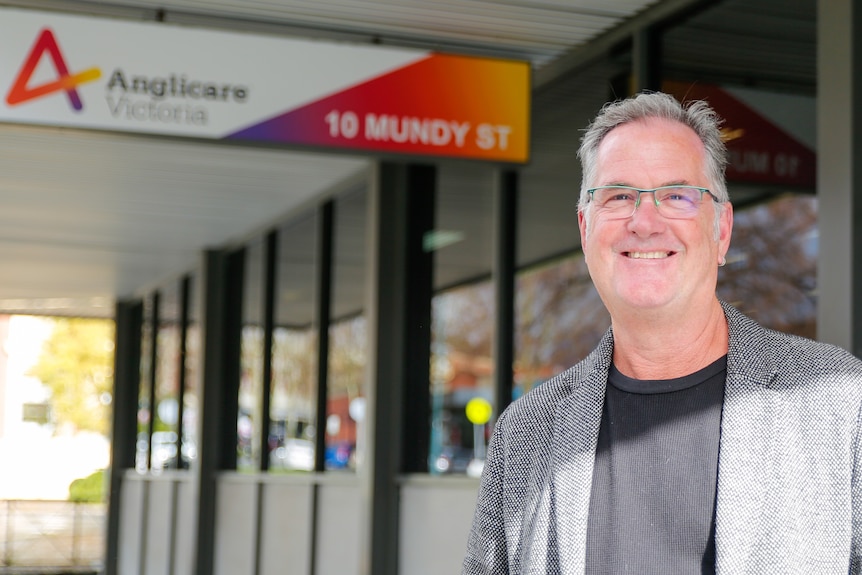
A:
(656, 202)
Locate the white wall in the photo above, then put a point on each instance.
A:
(338, 524)
(129, 553)
(436, 514)
(160, 529)
(285, 527)
(236, 517)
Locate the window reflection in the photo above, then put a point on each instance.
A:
(251, 362)
(293, 399)
(165, 440)
(462, 312)
(142, 447)
(348, 339)
(771, 271)
(292, 411)
(191, 396)
(345, 410)
(559, 319)
(461, 371)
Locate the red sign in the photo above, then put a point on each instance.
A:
(759, 151)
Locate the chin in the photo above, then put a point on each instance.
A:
(646, 296)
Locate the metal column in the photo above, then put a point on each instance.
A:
(504, 288)
(401, 211)
(128, 318)
(222, 303)
(839, 173)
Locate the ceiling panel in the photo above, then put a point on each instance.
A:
(87, 217)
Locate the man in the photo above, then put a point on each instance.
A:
(691, 440)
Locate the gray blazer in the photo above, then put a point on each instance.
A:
(789, 495)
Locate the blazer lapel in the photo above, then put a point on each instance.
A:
(575, 436)
(746, 449)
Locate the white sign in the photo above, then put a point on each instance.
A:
(157, 78)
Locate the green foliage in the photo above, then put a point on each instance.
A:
(76, 364)
(90, 489)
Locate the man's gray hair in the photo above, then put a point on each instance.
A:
(697, 115)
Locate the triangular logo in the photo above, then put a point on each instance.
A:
(45, 42)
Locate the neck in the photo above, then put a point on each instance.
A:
(656, 346)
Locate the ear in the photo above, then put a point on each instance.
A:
(725, 227)
(582, 225)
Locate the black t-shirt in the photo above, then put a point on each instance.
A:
(652, 508)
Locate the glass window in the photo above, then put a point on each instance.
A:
(462, 370)
(251, 361)
(771, 271)
(293, 400)
(191, 394)
(462, 315)
(165, 438)
(345, 408)
(559, 317)
(142, 448)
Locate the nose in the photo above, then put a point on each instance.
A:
(646, 218)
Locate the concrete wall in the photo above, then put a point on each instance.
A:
(157, 524)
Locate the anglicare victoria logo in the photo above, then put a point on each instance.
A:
(66, 81)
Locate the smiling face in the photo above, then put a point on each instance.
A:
(648, 262)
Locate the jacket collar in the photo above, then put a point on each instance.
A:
(750, 404)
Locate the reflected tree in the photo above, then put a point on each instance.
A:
(771, 271)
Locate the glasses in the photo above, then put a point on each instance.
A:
(675, 202)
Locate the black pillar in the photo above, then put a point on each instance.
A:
(326, 214)
(222, 307)
(504, 288)
(128, 318)
(400, 320)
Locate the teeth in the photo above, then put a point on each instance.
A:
(648, 255)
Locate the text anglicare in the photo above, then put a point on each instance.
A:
(177, 87)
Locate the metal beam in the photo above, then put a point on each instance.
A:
(661, 14)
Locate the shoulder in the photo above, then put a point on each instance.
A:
(783, 356)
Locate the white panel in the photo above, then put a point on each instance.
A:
(338, 529)
(236, 514)
(435, 520)
(285, 534)
(184, 534)
(159, 528)
(131, 518)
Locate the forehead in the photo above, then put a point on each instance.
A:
(655, 149)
